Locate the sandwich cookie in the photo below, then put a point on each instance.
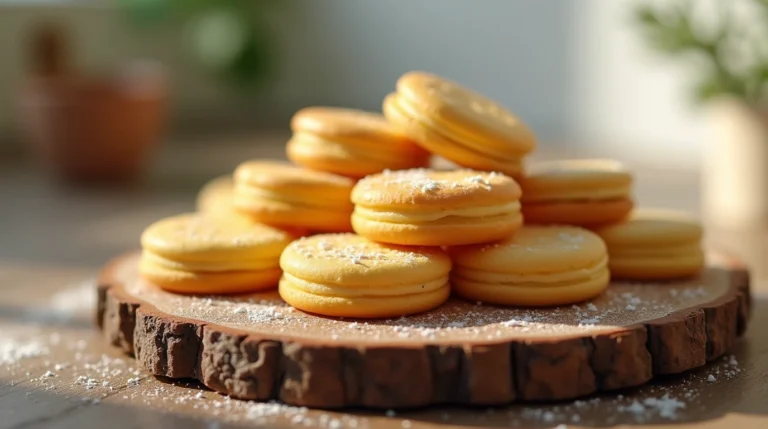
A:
(198, 253)
(654, 244)
(351, 143)
(459, 124)
(283, 195)
(345, 275)
(538, 266)
(582, 192)
(436, 208)
(216, 197)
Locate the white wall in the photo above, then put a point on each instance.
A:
(630, 100)
(516, 51)
(575, 70)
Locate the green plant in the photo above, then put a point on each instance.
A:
(735, 62)
(230, 38)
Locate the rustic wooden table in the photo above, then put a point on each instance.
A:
(55, 371)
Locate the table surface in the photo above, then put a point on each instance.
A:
(55, 370)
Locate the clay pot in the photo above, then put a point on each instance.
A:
(95, 129)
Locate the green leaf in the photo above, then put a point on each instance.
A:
(252, 66)
(646, 15)
(709, 89)
(147, 12)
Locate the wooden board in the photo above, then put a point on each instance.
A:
(256, 347)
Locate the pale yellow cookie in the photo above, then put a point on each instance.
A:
(654, 244)
(583, 192)
(436, 208)
(280, 194)
(216, 196)
(200, 253)
(538, 266)
(350, 142)
(346, 275)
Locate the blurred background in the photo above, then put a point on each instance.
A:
(166, 94)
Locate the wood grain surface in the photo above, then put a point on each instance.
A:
(316, 362)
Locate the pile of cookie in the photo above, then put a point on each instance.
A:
(360, 226)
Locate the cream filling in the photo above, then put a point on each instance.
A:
(546, 195)
(249, 191)
(540, 279)
(406, 109)
(364, 291)
(248, 264)
(413, 216)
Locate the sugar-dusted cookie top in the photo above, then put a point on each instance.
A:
(349, 259)
(435, 188)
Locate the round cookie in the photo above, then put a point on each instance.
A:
(436, 208)
(459, 124)
(280, 194)
(346, 275)
(200, 253)
(582, 192)
(654, 244)
(350, 142)
(538, 266)
(216, 197)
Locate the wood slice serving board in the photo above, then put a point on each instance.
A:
(256, 347)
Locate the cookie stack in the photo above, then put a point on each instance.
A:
(361, 227)
(643, 244)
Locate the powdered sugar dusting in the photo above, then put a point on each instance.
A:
(13, 351)
(457, 320)
(425, 181)
(357, 251)
(73, 366)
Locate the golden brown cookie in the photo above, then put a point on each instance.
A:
(280, 194)
(350, 142)
(459, 124)
(583, 192)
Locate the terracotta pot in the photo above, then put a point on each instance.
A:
(735, 172)
(95, 130)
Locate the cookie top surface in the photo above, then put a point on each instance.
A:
(452, 105)
(280, 176)
(352, 260)
(419, 188)
(201, 236)
(350, 126)
(535, 250)
(216, 195)
(649, 226)
(586, 170)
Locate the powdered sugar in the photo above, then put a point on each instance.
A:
(666, 407)
(424, 181)
(13, 351)
(354, 250)
(622, 304)
(97, 378)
